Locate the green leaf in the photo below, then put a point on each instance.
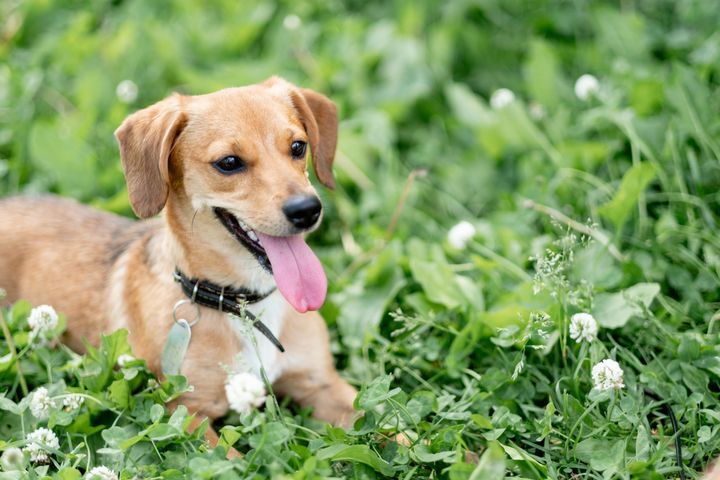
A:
(20, 310)
(173, 387)
(519, 455)
(69, 473)
(466, 106)
(689, 349)
(130, 442)
(710, 362)
(375, 393)
(422, 454)
(119, 393)
(228, 436)
(273, 434)
(361, 313)
(8, 405)
(694, 378)
(491, 464)
(437, 282)
(481, 421)
(622, 34)
(156, 412)
(547, 420)
(596, 266)
(625, 199)
(99, 364)
(642, 443)
(162, 431)
(363, 305)
(356, 453)
(704, 434)
(542, 73)
(114, 345)
(56, 150)
(613, 310)
(60, 417)
(601, 454)
(421, 404)
(114, 436)
(646, 96)
(471, 291)
(178, 417)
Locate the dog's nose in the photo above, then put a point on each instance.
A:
(302, 210)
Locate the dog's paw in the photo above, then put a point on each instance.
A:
(232, 453)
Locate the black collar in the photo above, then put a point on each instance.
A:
(225, 299)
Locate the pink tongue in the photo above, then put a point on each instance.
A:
(298, 273)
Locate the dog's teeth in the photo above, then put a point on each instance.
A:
(252, 236)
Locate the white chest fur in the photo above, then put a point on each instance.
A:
(271, 311)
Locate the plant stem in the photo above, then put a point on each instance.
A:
(389, 231)
(596, 234)
(418, 172)
(503, 262)
(13, 352)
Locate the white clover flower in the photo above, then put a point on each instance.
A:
(42, 319)
(536, 111)
(126, 91)
(607, 375)
(124, 359)
(101, 473)
(292, 22)
(620, 65)
(244, 391)
(583, 327)
(501, 98)
(41, 403)
(460, 234)
(12, 459)
(73, 402)
(586, 86)
(40, 442)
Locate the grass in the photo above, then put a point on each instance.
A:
(607, 205)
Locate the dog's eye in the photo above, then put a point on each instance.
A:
(298, 149)
(230, 164)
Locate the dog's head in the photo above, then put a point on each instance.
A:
(234, 162)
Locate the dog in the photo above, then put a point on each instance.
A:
(229, 171)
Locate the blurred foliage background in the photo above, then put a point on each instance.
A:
(421, 148)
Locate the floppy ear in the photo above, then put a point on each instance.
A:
(319, 115)
(146, 139)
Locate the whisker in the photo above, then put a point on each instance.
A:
(192, 222)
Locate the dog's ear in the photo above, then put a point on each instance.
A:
(319, 115)
(146, 140)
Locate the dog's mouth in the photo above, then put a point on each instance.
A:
(245, 235)
(297, 271)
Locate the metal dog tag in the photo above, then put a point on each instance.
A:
(176, 347)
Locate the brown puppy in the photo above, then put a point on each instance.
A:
(229, 169)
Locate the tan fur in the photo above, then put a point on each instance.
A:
(713, 471)
(105, 272)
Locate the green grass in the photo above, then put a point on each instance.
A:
(608, 205)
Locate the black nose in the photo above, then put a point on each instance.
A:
(302, 210)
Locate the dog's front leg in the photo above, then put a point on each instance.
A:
(309, 376)
(331, 397)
